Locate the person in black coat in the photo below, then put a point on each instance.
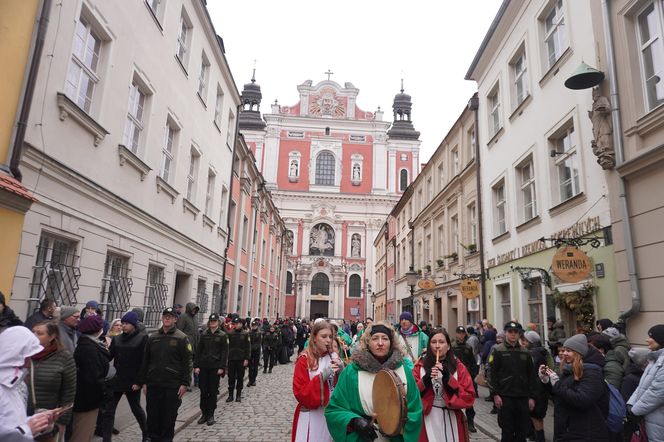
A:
(7, 316)
(581, 397)
(92, 363)
(127, 352)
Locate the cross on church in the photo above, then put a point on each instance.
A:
(328, 73)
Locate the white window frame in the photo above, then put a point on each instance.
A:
(519, 72)
(131, 137)
(566, 152)
(218, 107)
(527, 187)
(203, 77)
(223, 204)
(555, 35)
(85, 62)
(183, 39)
(455, 160)
(499, 207)
(230, 130)
(493, 106)
(472, 223)
(209, 193)
(654, 45)
(192, 175)
(169, 146)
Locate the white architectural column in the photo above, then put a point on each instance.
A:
(271, 156)
(379, 164)
(391, 171)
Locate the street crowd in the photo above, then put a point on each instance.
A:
(63, 372)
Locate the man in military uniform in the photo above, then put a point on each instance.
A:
(271, 341)
(166, 373)
(512, 384)
(210, 364)
(464, 352)
(239, 352)
(256, 337)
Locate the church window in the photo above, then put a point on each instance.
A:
(289, 283)
(327, 131)
(325, 169)
(403, 180)
(354, 286)
(320, 284)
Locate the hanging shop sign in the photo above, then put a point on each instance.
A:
(426, 284)
(571, 265)
(469, 288)
(474, 305)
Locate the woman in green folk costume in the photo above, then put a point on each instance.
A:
(348, 414)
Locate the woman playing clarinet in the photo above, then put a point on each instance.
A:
(446, 388)
(314, 377)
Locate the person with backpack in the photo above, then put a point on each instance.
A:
(580, 394)
(648, 399)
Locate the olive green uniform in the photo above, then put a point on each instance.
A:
(239, 350)
(212, 355)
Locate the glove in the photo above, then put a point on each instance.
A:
(364, 429)
(554, 378)
(446, 375)
(543, 377)
(426, 379)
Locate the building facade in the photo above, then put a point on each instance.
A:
(635, 145)
(334, 171)
(539, 179)
(129, 150)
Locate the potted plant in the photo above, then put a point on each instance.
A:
(472, 248)
(453, 256)
(428, 267)
(419, 272)
(440, 262)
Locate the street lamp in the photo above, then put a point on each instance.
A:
(411, 281)
(373, 306)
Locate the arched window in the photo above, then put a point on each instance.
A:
(354, 286)
(325, 169)
(289, 283)
(403, 180)
(321, 240)
(320, 284)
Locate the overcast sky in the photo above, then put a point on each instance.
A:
(371, 44)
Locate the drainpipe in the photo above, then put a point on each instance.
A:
(474, 105)
(620, 159)
(228, 211)
(22, 124)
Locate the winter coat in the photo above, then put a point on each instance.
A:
(613, 370)
(92, 363)
(621, 346)
(415, 343)
(631, 380)
(36, 319)
(127, 352)
(8, 319)
(489, 342)
(648, 399)
(581, 407)
(55, 383)
(187, 324)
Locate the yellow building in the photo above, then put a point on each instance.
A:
(18, 20)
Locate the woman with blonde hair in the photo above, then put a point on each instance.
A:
(313, 380)
(349, 413)
(580, 394)
(114, 330)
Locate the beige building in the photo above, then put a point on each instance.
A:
(129, 151)
(634, 65)
(445, 228)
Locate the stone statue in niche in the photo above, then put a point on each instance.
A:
(289, 241)
(355, 245)
(602, 143)
(356, 172)
(321, 240)
(293, 169)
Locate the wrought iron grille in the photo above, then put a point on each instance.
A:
(216, 298)
(54, 274)
(115, 287)
(201, 301)
(156, 293)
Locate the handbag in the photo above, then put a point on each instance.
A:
(640, 434)
(480, 379)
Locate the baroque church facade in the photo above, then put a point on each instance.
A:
(335, 172)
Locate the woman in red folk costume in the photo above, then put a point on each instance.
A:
(446, 388)
(315, 374)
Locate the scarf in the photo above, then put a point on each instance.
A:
(45, 352)
(409, 331)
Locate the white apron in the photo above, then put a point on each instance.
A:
(365, 388)
(311, 425)
(441, 423)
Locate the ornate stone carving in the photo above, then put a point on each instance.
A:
(321, 240)
(327, 104)
(602, 143)
(355, 246)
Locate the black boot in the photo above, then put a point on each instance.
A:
(539, 436)
(238, 398)
(210, 419)
(249, 384)
(203, 418)
(230, 395)
(270, 370)
(471, 425)
(265, 369)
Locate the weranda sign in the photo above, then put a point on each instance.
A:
(571, 265)
(469, 288)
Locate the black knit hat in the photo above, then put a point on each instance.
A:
(657, 333)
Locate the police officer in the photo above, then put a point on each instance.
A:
(271, 340)
(239, 352)
(512, 384)
(256, 337)
(464, 352)
(210, 364)
(166, 372)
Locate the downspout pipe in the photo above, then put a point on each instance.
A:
(620, 159)
(228, 210)
(22, 124)
(474, 105)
